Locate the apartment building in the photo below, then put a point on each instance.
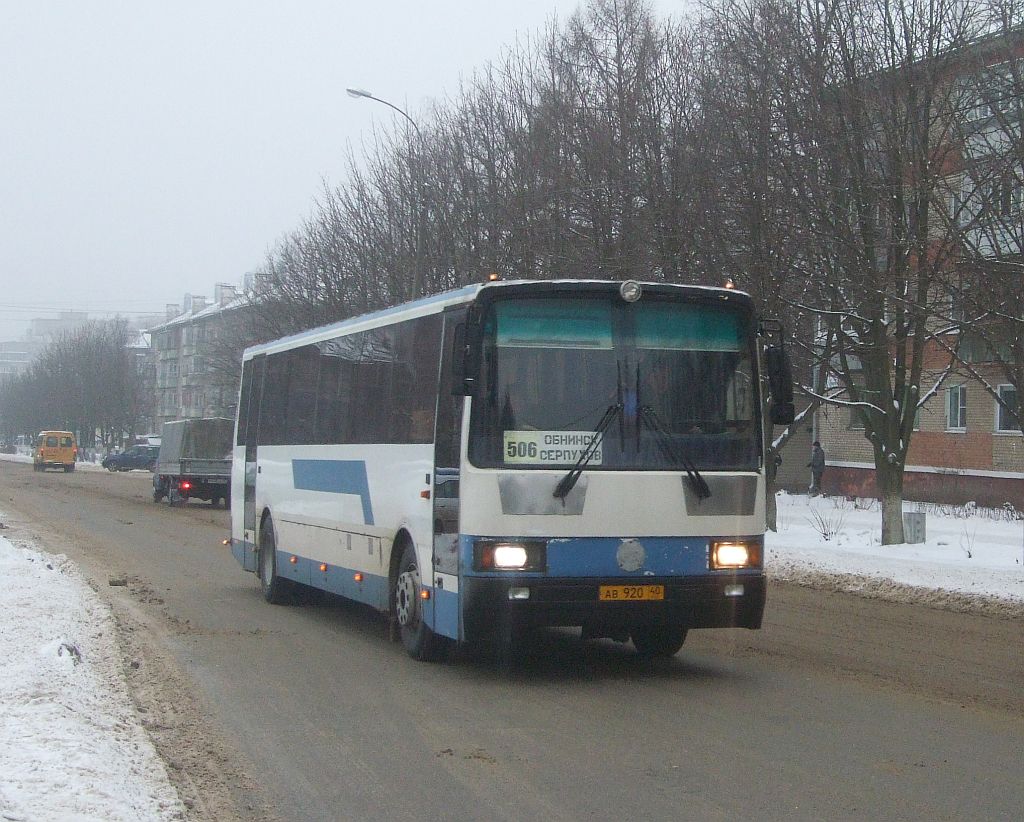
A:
(192, 355)
(966, 446)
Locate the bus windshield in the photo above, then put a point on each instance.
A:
(651, 385)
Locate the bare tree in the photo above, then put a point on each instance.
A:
(873, 140)
(85, 381)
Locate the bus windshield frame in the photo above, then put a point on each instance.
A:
(666, 380)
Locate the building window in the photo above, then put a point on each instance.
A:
(1004, 419)
(956, 408)
(958, 202)
(1003, 197)
(955, 293)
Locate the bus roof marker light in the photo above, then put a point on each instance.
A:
(630, 291)
(729, 283)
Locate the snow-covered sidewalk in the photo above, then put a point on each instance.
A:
(968, 551)
(71, 743)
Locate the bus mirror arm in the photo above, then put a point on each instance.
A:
(466, 358)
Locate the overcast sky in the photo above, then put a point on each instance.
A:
(148, 149)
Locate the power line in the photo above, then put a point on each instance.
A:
(80, 309)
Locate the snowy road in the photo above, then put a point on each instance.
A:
(833, 684)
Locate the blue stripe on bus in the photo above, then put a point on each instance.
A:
(335, 477)
(446, 612)
(371, 589)
(598, 557)
(442, 615)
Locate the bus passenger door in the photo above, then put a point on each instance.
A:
(447, 441)
(254, 400)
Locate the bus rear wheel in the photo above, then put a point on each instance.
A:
(406, 604)
(658, 641)
(275, 589)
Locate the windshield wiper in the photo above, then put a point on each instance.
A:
(669, 450)
(568, 482)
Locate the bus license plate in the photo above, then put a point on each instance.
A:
(631, 593)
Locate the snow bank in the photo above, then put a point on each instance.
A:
(71, 744)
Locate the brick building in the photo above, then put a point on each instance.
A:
(965, 445)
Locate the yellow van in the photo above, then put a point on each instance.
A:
(55, 449)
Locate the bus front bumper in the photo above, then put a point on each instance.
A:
(719, 601)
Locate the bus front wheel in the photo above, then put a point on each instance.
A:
(407, 605)
(274, 588)
(658, 641)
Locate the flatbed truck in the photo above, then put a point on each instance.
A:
(194, 461)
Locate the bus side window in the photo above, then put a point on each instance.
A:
(447, 444)
(448, 425)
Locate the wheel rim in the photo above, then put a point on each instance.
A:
(406, 608)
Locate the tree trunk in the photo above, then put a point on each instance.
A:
(890, 486)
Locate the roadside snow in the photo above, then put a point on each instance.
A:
(71, 744)
(970, 555)
(73, 747)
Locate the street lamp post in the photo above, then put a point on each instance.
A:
(421, 200)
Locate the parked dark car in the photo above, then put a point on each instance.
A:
(139, 456)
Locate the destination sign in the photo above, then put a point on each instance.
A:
(550, 447)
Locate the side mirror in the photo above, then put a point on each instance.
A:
(783, 413)
(779, 371)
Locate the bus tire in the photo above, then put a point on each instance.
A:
(420, 641)
(658, 641)
(275, 590)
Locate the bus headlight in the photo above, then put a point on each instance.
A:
(509, 556)
(735, 553)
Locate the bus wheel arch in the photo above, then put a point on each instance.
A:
(274, 588)
(406, 604)
(398, 545)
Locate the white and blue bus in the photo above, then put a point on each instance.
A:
(517, 454)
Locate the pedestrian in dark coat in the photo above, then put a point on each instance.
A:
(817, 466)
